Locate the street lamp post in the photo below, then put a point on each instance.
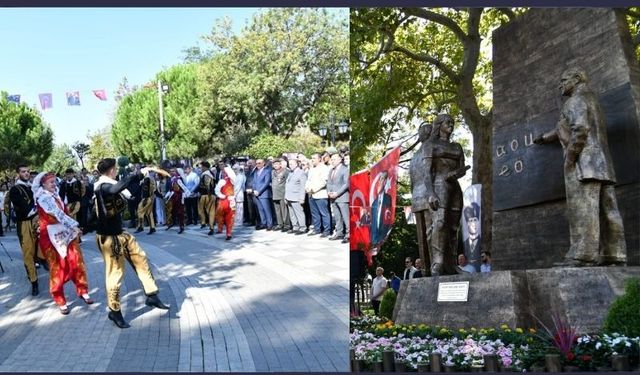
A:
(342, 128)
(162, 88)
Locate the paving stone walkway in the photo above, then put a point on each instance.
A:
(264, 301)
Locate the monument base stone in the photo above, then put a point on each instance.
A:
(580, 296)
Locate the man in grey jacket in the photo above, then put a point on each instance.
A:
(338, 190)
(294, 194)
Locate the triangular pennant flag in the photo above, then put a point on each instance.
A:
(100, 94)
(13, 99)
(46, 101)
(73, 98)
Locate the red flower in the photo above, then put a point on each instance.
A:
(586, 358)
(571, 356)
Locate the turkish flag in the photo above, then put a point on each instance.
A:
(360, 215)
(100, 94)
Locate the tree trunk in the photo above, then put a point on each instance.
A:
(483, 174)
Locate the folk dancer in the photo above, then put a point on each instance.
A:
(117, 245)
(59, 234)
(226, 201)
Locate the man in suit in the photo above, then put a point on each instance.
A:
(595, 225)
(409, 269)
(250, 199)
(338, 191)
(278, 182)
(262, 191)
(379, 208)
(473, 243)
(294, 194)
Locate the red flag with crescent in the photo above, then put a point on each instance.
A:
(359, 238)
(382, 197)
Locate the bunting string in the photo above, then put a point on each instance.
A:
(72, 98)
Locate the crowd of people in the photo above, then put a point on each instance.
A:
(290, 193)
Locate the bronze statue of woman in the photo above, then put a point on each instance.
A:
(444, 165)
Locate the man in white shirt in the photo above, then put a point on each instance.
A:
(191, 197)
(316, 187)
(378, 287)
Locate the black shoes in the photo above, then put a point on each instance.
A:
(181, 230)
(335, 238)
(345, 240)
(152, 230)
(140, 229)
(210, 233)
(299, 232)
(203, 226)
(228, 238)
(34, 288)
(324, 235)
(291, 231)
(154, 301)
(116, 317)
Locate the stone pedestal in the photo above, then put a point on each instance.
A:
(580, 296)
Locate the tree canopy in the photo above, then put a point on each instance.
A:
(60, 159)
(24, 136)
(286, 70)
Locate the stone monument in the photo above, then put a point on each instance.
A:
(529, 56)
(531, 229)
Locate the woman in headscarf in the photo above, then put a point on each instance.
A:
(59, 234)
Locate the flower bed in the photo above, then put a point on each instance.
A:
(517, 349)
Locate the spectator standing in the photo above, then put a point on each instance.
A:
(239, 188)
(191, 195)
(409, 269)
(262, 191)
(378, 287)
(294, 195)
(278, 182)
(338, 192)
(316, 187)
(394, 282)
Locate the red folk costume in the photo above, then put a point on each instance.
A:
(226, 201)
(59, 243)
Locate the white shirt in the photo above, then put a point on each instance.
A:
(317, 181)
(379, 283)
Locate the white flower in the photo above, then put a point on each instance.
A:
(598, 345)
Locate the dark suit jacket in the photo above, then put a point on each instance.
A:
(339, 183)
(262, 183)
(378, 227)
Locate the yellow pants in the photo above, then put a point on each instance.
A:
(74, 208)
(28, 238)
(145, 209)
(206, 210)
(115, 249)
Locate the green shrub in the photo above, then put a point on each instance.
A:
(387, 304)
(624, 314)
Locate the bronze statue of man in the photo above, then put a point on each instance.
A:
(419, 197)
(595, 224)
(444, 165)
